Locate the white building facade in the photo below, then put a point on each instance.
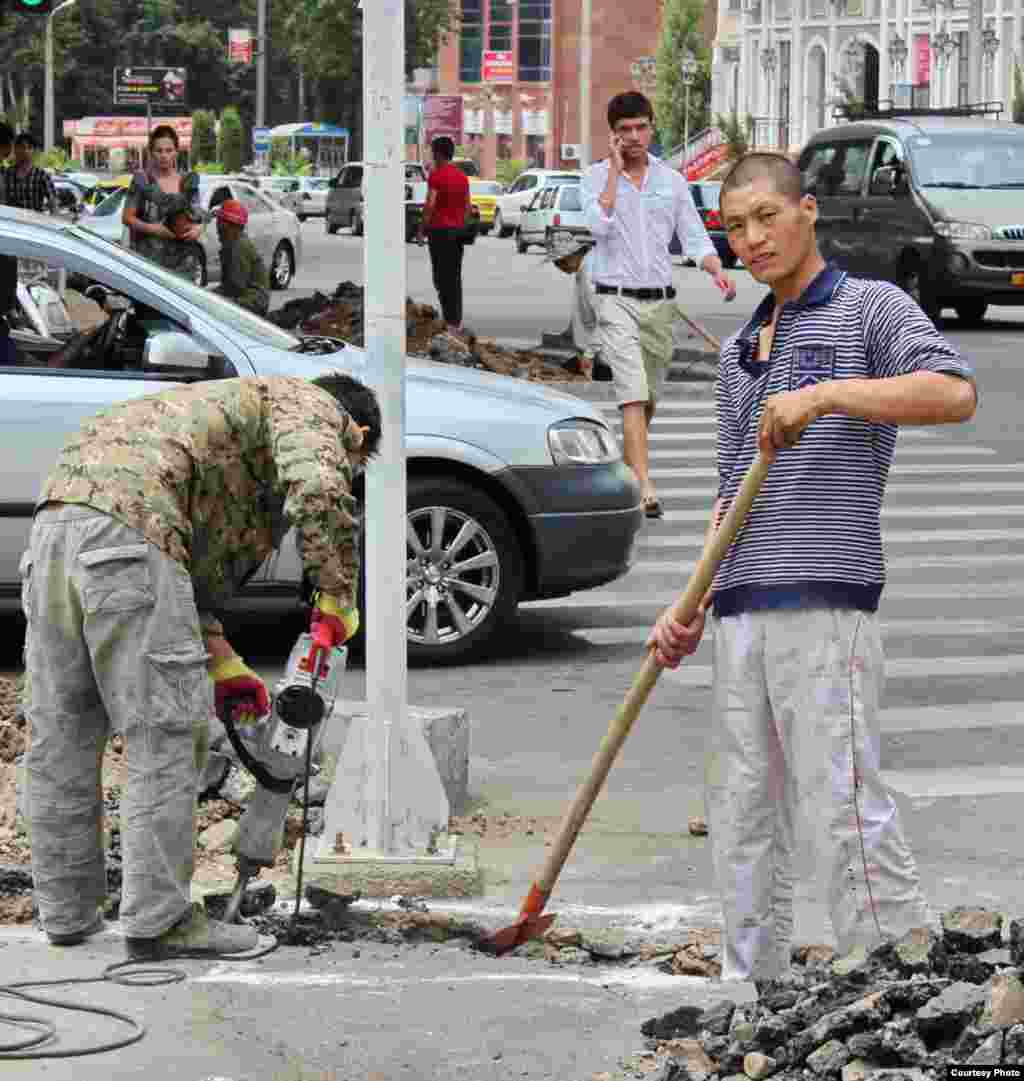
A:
(787, 63)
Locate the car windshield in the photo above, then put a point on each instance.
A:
(218, 308)
(960, 159)
(111, 205)
(484, 187)
(570, 199)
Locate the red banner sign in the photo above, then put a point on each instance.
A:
(499, 67)
(442, 115)
(922, 60)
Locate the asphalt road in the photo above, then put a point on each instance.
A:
(953, 750)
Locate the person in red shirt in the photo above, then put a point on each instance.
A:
(444, 216)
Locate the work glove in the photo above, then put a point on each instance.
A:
(329, 616)
(237, 688)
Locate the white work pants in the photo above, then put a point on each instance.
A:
(794, 765)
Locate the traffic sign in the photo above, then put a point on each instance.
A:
(153, 87)
(239, 46)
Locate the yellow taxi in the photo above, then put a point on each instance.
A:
(107, 187)
(483, 194)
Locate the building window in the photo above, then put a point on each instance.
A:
(499, 29)
(535, 41)
(471, 40)
(963, 68)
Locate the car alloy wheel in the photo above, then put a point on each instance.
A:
(281, 267)
(464, 572)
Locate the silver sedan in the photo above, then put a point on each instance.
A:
(273, 228)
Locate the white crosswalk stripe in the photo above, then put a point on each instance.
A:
(952, 612)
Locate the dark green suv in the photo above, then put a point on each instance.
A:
(934, 203)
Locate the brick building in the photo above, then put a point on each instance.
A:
(527, 101)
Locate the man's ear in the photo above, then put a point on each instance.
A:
(809, 205)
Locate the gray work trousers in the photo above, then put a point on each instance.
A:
(113, 644)
(794, 770)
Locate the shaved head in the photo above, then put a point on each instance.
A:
(783, 176)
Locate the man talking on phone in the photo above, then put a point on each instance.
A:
(633, 203)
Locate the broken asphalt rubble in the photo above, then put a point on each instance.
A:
(340, 315)
(901, 1012)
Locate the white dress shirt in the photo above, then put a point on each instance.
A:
(631, 249)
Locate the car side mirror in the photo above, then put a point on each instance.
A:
(884, 181)
(171, 350)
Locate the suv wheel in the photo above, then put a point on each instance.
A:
(916, 287)
(356, 221)
(465, 570)
(199, 275)
(521, 247)
(971, 312)
(329, 225)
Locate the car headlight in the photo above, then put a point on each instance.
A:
(582, 442)
(963, 230)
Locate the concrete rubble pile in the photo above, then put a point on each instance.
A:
(902, 1012)
(341, 315)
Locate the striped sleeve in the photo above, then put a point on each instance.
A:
(900, 339)
(729, 435)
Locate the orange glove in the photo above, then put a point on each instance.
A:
(328, 612)
(237, 686)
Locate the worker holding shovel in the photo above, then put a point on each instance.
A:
(817, 382)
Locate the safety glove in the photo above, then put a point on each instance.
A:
(239, 691)
(329, 615)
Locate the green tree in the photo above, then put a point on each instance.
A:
(204, 136)
(231, 140)
(681, 33)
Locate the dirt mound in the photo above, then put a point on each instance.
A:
(341, 315)
(13, 727)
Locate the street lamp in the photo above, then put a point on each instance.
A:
(989, 42)
(688, 70)
(898, 53)
(944, 45)
(769, 60)
(48, 110)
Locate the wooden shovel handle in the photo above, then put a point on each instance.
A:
(684, 612)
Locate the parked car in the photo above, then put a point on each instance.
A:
(705, 198)
(344, 208)
(467, 166)
(71, 196)
(554, 207)
(483, 194)
(509, 206)
(934, 203)
(279, 188)
(508, 481)
(99, 191)
(309, 200)
(272, 228)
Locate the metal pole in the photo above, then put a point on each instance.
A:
(261, 63)
(975, 66)
(686, 132)
(586, 52)
(48, 107)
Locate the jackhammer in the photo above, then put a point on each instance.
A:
(278, 751)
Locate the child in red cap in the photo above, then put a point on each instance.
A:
(243, 274)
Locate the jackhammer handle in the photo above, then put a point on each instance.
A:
(683, 611)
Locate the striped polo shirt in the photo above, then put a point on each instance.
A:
(813, 537)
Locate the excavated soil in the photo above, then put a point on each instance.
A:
(340, 315)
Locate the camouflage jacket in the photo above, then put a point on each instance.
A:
(243, 275)
(214, 473)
